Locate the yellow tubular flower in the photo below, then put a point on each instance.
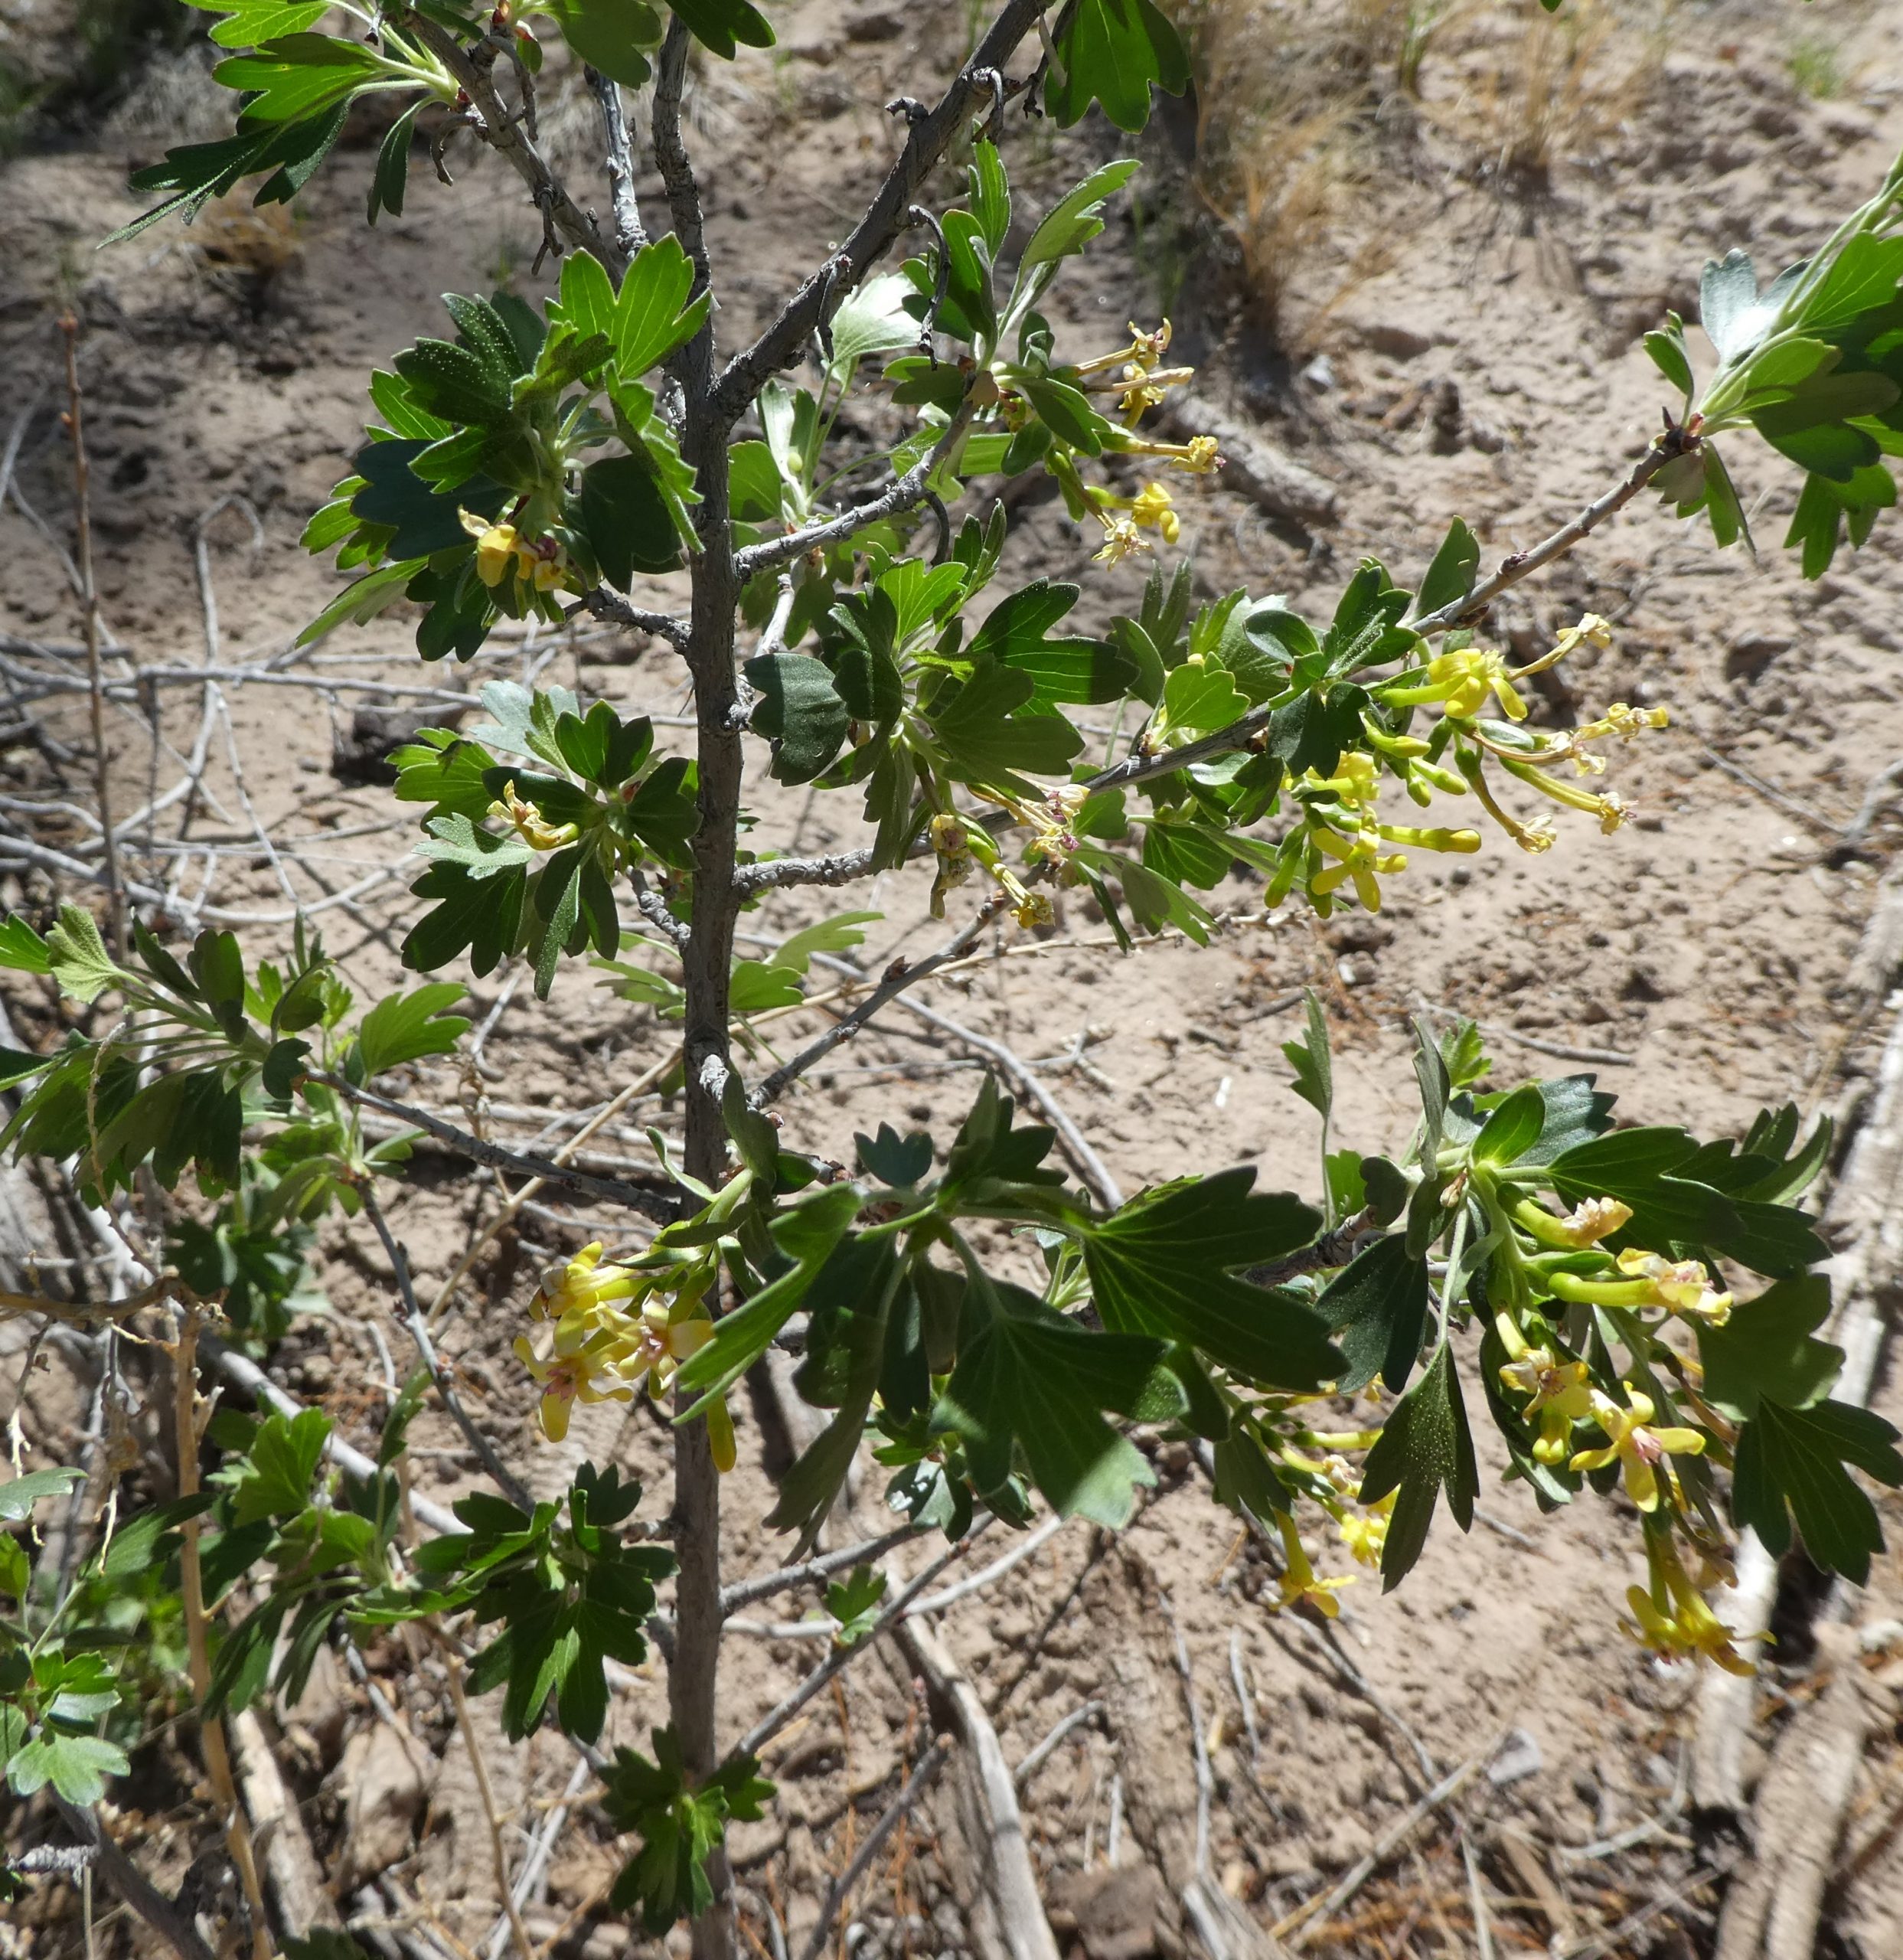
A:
(1557, 1394)
(496, 547)
(1299, 1585)
(1153, 511)
(1624, 722)
(1673, 1620)
(1462, 842)
(582, 1284)
(1360, 859)
(1149, 349)
(529, 823)
(1367, 1534)
(1121, 539)
(1682, 1285)
(1639, 1449)
(581, 1369)
(1590, 1220)
(1611, 810)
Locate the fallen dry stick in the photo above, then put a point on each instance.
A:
(1328, 1904)
(1866, 1210)
(1772, 1905)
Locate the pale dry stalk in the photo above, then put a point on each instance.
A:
(184, 1361)
(89, 606)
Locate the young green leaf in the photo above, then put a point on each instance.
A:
(405, 1027)
(1114, 52)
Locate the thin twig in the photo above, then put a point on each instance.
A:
(902, 495)
(246, 1373)
(842, 867)
(237, 1829)
(840, 1889)
(505, 1480)
(510, 137)
(927, 138)
(657, 1201)
(1077, 1147)
(897, 979)
(950, 1596)
(167, 1917)
(610, 605)
(89, 604)
(630, 235)
(1042, 1754)
(1328, 1904)
(541, 1848)
(524, 1946)
(770, 1724)
(763, 1585)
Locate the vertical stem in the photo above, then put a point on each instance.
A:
(185, 1361)
(706, 961)
(89, 603)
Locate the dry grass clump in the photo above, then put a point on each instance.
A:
(1301, 104)
(1286, 96)
(1555, 85)
(244, 249)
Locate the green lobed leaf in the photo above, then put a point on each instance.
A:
(1163, 1265)
(1027, 1380)
(1789, 1467)
(1378, 1309)
(1425, 1447)
(1114, 52)
(22, 948)
(799, 710)
(1768, 1349)
(615, 36)
(77, 1766)
(721, 25)
(18, 1496)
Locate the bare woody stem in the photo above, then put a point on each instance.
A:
(908, 490)
(502, 132)
(611, 606)
(706, 961)
(503, 1479)
(1518, 565)
(894, 984)
(185, 1361)
(927, 139)
(89, 604)
(168, 1917)
(630, 234)
(842, 867)
(661, 1201)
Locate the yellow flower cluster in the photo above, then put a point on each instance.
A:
(1135, 374)
(617, 1326)
(1670, 1615)
(503, 553)
(1125, 519)
(1343, 826)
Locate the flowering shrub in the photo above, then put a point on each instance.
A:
(1631, 1308)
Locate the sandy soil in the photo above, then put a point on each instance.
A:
(1491, 369)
